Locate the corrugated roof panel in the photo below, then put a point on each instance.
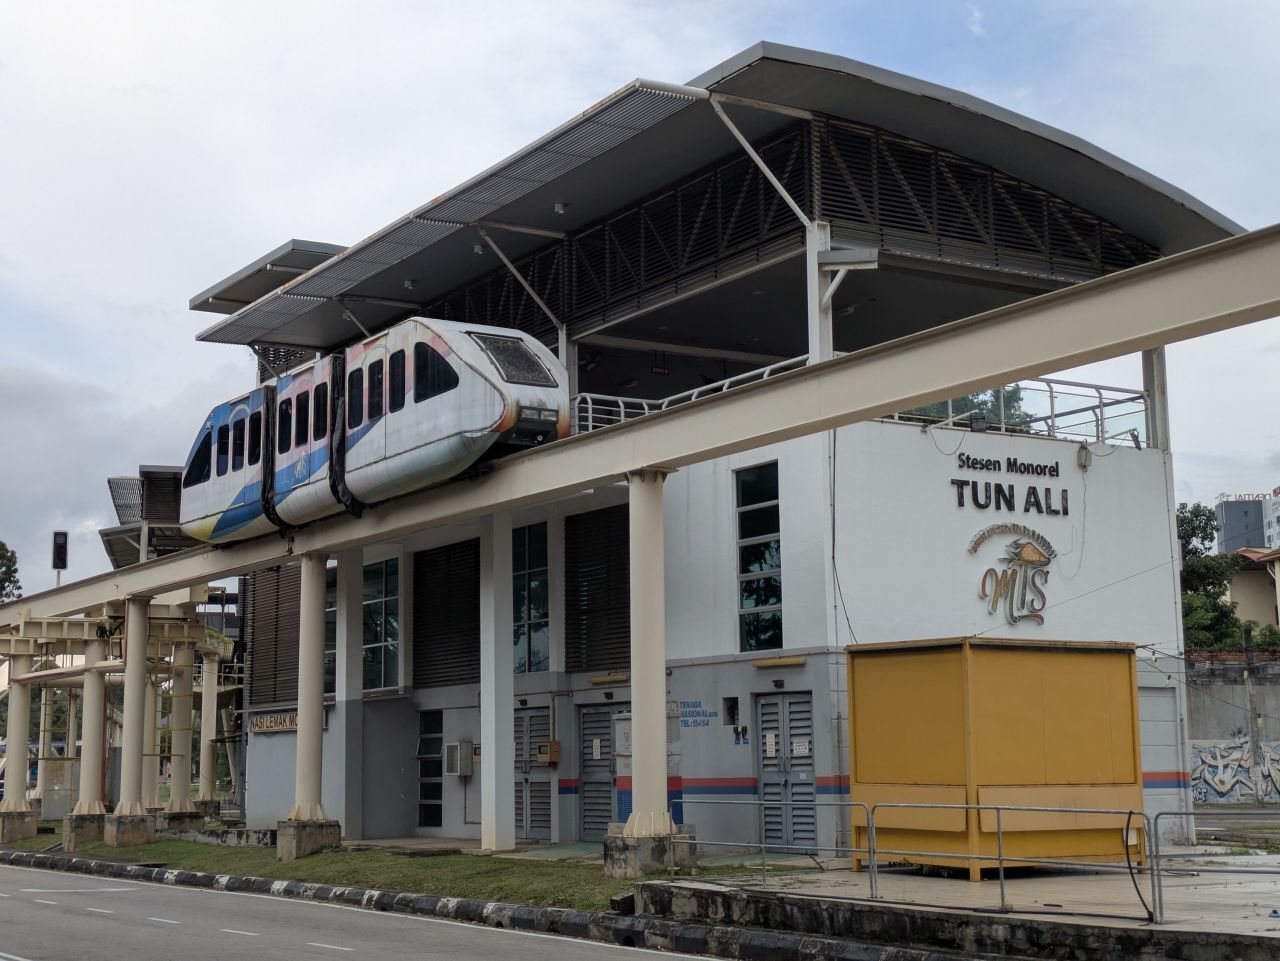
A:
(126, 497)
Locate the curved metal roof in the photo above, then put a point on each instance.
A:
(650, 133)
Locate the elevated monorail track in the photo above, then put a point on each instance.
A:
(1216, 287)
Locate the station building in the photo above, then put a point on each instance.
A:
(676, 241)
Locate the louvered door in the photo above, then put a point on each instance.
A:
(597, 771)
(785, 752)
(532, 779)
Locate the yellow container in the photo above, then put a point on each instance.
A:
(995, 722)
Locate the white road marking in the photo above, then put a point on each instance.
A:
(74, 890)
(99, 910)
(331, 947)
(12, 957)
(164, 920)
(247, 934)
(6, 895)
(43, 901)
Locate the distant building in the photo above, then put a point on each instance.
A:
(1240, 521)
(1271, 520)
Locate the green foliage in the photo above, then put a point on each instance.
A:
(1209, 620)
(10, 589)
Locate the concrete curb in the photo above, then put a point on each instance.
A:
(744, 944)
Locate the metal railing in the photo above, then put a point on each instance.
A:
(875, 855)
(593, 411)
(1068, 409)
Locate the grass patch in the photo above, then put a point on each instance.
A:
(551, 884)
(37, 843)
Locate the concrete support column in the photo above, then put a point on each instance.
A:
(497, 688)
(348, 682)
(650, 816)
(17, 737)
(1155, 382)
(821, 344)
(180, 731)
(306, 792)
(45, 747)
(151, 749)
(209, 729)
(136, 629)
(93, 710)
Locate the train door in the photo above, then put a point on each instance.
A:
(293, 434)
(366, 404)
(597, 771)
(784, 758)
(533, 780)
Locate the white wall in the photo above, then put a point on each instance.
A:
(903, 541)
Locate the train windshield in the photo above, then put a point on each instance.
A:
(515, 361)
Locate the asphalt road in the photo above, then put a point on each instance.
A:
(53, 916)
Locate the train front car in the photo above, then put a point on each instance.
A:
(302, 491)
(428, 398)
(223, 476)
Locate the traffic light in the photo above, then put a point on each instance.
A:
(59, 550)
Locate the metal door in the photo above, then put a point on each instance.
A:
(532, 779)
(597, 772)
(784, 752)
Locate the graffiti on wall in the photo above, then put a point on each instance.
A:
(1222, 772)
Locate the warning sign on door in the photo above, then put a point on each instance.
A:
(771, 744)
(595, 749)
(800, 747)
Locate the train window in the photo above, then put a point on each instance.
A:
(375, 390)
(432, 374)
(284, 426)
(198, 469)
(223, 438)
(237, 444)
(321, 420)
(395, 378)
(255, 437)
(303, 414)
(514, 360)
(355, 398)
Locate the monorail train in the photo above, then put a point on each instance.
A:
(408, 408)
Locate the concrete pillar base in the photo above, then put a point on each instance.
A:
(297, 839)
(630, 857)
(126, 830)
(18, 825)
(80, 829)
(208, 809)
(180, 821)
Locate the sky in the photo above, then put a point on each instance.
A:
(152, 148)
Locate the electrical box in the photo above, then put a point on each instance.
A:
(458, 759)
(547, 752)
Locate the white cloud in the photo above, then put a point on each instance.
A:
(974, 20)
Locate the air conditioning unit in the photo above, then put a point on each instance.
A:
(457, 759)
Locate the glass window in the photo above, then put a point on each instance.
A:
(515, 361)
(284, 427)
(375, 390)
(432, 374)
(255, 437)
(395, 381)
(355, 398)
(530, 599)
(223, 448)
(381, 616)
(301, 422)
(330, 630)
(430, 769)
(759, 558)
(198, 469)
(237, 444)
(321, 420)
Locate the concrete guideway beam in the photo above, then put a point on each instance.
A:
(1216, 287)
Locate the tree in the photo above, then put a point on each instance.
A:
(1208, 619)
(10, 589)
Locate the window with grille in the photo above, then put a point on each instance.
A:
(759, 570)
(531, 616)
(430, 769)
(382, 625)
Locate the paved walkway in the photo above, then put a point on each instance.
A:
(1194, 898)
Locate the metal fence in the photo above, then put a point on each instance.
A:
(1147, 872)
(1067, 409)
